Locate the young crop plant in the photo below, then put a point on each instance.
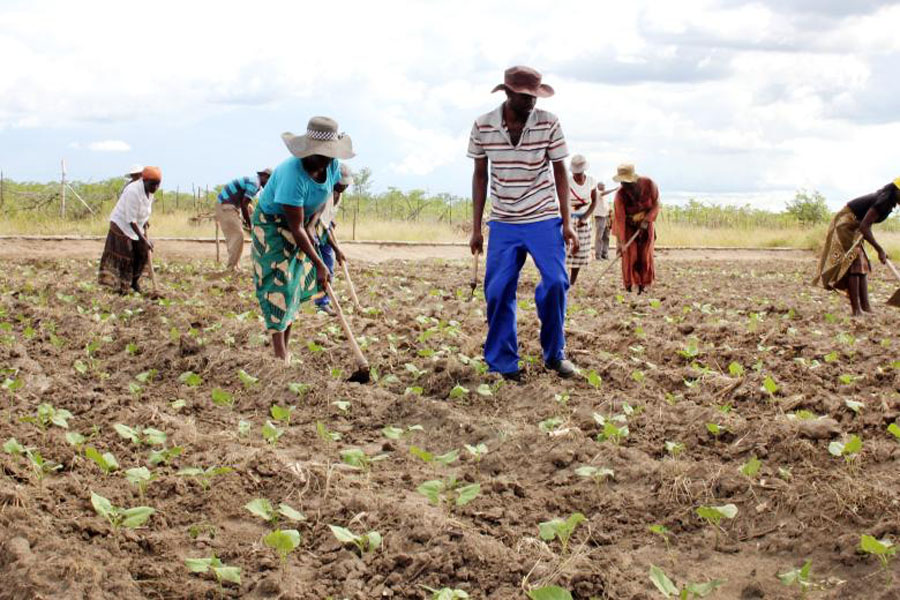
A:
(48, 415)
(663, 532)
(598, 475)
(883, 549)
(221, 571)
(136, 435)
(689, 591)
(674, 448)
(894, 430)
(561, 529)
(204, 476)
(713, 515)
(446, 593)
(715, 429)
(799, 577)
(164, 456)
(120, 517)
(751, 467)
(449, 491)
(358, 459)
(282, 414)
(593, 379)
(263, 509)
(140, 477)
(283, 541)
(106, 461)
(477, 451)
(395, 433)
(247, 380)
(612, 432)
(271, 433)
(458, 392)
(190, 379)
(222, 397)
(736, 369)
(325, 435)
(549, 592)
(849, 449)
(364, 543)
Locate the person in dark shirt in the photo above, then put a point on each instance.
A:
(844, 265)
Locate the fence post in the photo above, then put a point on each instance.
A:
(1, 189)
(176, 197)
(62, 188)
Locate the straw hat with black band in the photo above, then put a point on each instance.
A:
(321, 138)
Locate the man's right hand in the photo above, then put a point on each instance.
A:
(476, 242)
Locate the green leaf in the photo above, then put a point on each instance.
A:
(448, 458)
(12, 446)
(291, 513)
(467, 493)
(424, 455)
(262, 508)
(736, 369)
(432, 490)
(854, 405)
(102, 505)
(832, 356)
(281, 413)
(190, 379)
(283, 541)
(715, 513)
(662, 582)
(391, 432)
(458, 391)
(769, 385)
(231, 574)
(247, 379)
(870, 545)
(549, 592)
(178, 404)
(484, 390)
(324, 434)
(75, 439)
(107, 462)
(702, 590)
(154, 437)
(593, 379)
(836, 448)
(343, 535)
(300, 389)
(80, 367)
(138, 475)
(198, 565)
(222, 397)
(271, 433)
(137, 516)
(853, 445)
(714, 428)
(751, 467)
(894, 429)
(414, 391)
(342, 405)
(127, 432)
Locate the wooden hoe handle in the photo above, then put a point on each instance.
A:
(361, 361)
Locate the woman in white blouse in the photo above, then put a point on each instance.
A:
(127, 245)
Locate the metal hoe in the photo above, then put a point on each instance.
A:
(619, 254)
(895, 299)
(474, 282)
(362, 373)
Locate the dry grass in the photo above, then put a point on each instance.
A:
(177, 224)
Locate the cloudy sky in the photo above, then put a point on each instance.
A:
(720, 100)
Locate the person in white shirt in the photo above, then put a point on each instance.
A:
(127, 245)
(582, 202)
(602, 222)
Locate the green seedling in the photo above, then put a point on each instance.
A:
(106, 461)
(263, 509)
(421, 454)
(140, 477)
(247, 380)
(849, 450)
(612, 432)
(131, 348)
(190, 379)
(12, 446)
(484, 390)
(458, 392)
(549, 592)
(716, 429)
(147, 437)
(73, 438)
(243, 428)
(751, 467)
(562, 398)
(894, 430)
(283, 541)
(271, 433)
(674, 448)
(358, 459)
(395, 433)
(690, 590)
(146, 376)
(342, 405)
(40, 465)
(48, 415)
(204, 476)
(415, 390)
(691, 350)
(714, 514)
(120, 517)
(222, 397)
(477, 451)
(221, 571)
(178, 404)
(364, 543)
(798, 577)
(854, 405)
(282, 413)
(325, 435)
(736, 369)
(883, 549)
(449, 491)
(164, 456)
(663, 532)
(560, 529)
(551, 425)
(300, 389)
(598, 474)
(446, 593)
(593, 379)
(770, 386)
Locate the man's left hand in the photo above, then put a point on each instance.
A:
(339, 256)
(570, 238)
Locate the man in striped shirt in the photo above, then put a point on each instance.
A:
(233, 207)
(523, 144)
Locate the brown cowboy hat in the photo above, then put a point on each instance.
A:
(524, 80)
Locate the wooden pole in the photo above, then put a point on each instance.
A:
(355, 212)
(217, 241)
(177, 189)
(62, 188)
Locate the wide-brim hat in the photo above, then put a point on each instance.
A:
(579, 164)
(266, 171)
(524, 80)
(135, 169)
(625, 173)
(322, 138)
(897, 182)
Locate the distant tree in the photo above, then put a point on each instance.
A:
(808, 207)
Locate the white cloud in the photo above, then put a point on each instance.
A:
(109, 146)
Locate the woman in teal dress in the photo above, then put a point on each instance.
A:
(287, 270)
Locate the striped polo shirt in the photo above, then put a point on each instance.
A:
(523, 189)
(236, 190)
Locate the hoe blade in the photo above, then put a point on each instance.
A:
(894, 300)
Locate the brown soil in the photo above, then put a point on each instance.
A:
(803, 503)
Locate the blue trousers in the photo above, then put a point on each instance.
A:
(327, 253)
(508, 246)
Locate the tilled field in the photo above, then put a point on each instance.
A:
(726, 385)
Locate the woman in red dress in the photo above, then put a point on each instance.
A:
(636, 208)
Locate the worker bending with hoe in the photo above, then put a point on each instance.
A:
(233, 212)
(526, 149)
(844, 265)
(636, 208)
(127, 245)
(329, 249)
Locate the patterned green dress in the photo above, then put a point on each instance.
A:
(283, 275)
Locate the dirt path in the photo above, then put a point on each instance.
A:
(358, 251)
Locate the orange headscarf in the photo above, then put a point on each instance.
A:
(151, 174)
